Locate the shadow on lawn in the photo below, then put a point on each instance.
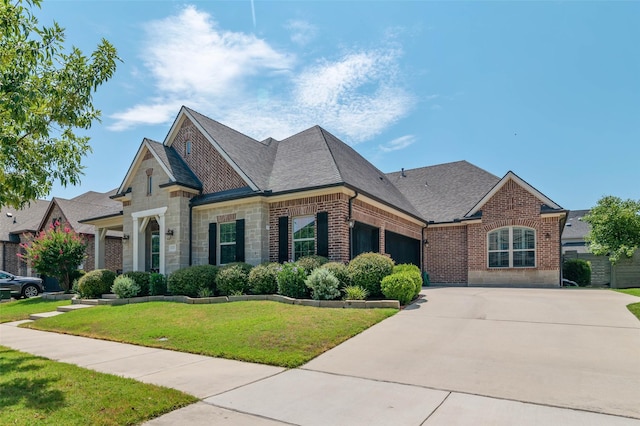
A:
(23, 388)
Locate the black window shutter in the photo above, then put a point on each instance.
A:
(323, 234)
(240, 240)
(283, 239)
(213, 243)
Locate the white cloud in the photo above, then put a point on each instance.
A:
(246, 83)
(302, 32)
(398, 143)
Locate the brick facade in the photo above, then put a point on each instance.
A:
(445, 258)
(211, 168)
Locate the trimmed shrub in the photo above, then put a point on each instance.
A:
(190, 280)
(415, 274)
(355, 292)
(291, 281)
(311, 262)
(367, 271)
(578, 270)
(142, 279)
(96, 283)
(246, 267)
(263, 279)
(205, 292)
(399, 286)
(157, 284)
(125, 287)
(340, 271)
(232, 280)
(323, 284)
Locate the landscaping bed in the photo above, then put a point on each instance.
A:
(264, 332)
(35, 390)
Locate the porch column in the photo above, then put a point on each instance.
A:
(160, 219)
(100, 248)
(136, 240)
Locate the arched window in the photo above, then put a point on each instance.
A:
(512, 247)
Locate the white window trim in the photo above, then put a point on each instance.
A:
(294, 239)
(220, 243)
(187, 148)
(511, 250)
(150, 185)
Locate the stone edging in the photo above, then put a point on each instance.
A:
(359, 304)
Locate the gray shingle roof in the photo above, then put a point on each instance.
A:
(444, 192)
(254, 158)
(26, 219)
(88, 205)
(177, 166)
(575, 227)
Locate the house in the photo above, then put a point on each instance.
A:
(16, 225)
(626, 272)
(209, 194)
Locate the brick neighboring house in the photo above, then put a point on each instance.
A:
(15, 225)
(209, 194)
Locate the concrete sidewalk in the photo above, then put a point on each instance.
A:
(392, 374)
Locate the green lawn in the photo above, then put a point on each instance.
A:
(20, 309)
(634, 307)
(256, 331)
(35, 390)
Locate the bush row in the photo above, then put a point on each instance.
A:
(368, 275)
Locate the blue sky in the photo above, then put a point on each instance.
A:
(549, 90)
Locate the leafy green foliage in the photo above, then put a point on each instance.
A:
(96, 283)
(578, 270)
(615, 228)
(367, 271)
(46, 93)
(341, 272)
(57, 252)
(323, 284)
(263, 279)
(232, 279)
(355, 292)
(157, 284)
(291, 281)
(188, 281)
(141, 278)
(125, 287)
(311, 262)
(399, 286)
(414, 272)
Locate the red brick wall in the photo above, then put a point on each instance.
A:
(12, 262)
(512, 205)
(445, 257)
(210, 167)
(336, 205)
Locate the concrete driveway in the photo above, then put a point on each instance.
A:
(471, 356)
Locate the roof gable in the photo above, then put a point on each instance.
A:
(81, 207)
(27, 219)
(170, 162)
(510, 176)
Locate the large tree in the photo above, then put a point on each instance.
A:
(45, 96)
(615, 227)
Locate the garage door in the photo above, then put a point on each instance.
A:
(401, 248)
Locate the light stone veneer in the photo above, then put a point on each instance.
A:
(514, 276)
(256, 237)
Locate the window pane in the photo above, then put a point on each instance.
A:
(303, 227)
(499, 259)
(529, 239)
(155, 260)
(303, 248)
(493, 240)
(228, 232)
(524, 259)
(227, 253)
(155, 242)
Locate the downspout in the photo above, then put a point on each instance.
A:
(190, 234)
(349, 219)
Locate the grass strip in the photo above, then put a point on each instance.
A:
(35, 390)
(21, 309)
(634, 307)
(255, 331)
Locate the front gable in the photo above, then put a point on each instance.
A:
(512, 198)
(204, 156)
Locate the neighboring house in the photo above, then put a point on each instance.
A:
(13, 225)
(626, 273)
(210, 195)
(16, 225)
